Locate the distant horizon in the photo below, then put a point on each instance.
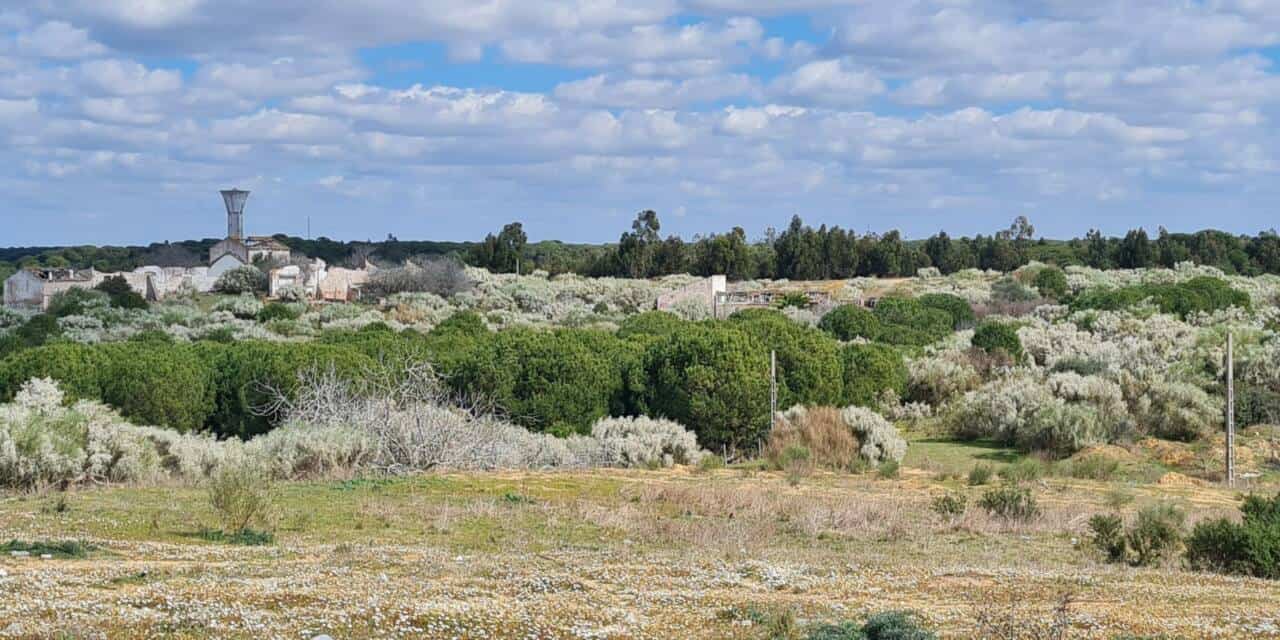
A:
(1152, 233)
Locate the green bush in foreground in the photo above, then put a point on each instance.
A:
(1250, 547)
(887, 625)
(714, 379)
(869, 369)
(1154, 537)
(809, 367)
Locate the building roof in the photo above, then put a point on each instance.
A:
(266, 243)
(61, 275)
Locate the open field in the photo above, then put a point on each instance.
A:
(602, 554)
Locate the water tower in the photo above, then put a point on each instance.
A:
(234, 199)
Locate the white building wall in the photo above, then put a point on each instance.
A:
(224, 264)
(23, 289)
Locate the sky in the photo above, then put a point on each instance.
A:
(445, 119)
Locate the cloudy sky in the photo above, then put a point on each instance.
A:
(445, 119)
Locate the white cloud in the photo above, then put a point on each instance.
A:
(830, 82)
(607, 91)
(127, 78)
(285, 76)
(977, 88)
(983, 107)
(57, 39)
(708, 47)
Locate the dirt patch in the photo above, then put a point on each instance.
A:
(1170, 454)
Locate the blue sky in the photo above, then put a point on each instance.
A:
(445, 120)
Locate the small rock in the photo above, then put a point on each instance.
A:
(19, 554)
(3, 573)
(46, 556)
(322, 637)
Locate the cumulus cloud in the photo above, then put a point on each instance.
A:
(735, 112)
(663, 93)
(57, 39)
(831, 82)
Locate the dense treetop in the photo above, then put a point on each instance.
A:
(798, 252)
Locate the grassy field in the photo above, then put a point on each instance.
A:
(605, 554)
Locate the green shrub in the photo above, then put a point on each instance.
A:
(40, 329)
(896, 625)
(651, 323)
(1156, 535)
(75, 301)
(710, 462)
(888, 469)
(554, 381)
(994, 337)
(869, 369)
(76, 368)
(904, 321)
(241, 493)
(1250, 547)
(797, 461)
(158, 384)
(462, 323)
(1010, 502)
(981, 474)
(246, 373)
(278, 311)
(835, 631)
(712, 378)
(951, 505)
(794, 299)
(1051, 282)
(958, 308)
(1009, 290)
(809, 361)
(886, 625)
(246, 537)
(850, 321)
(1024, 470)
(1199, 294)
(121, 294)
(241, 280)
(1108, 536)
(1092, 467)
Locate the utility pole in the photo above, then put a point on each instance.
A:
(773, 387)
(1231, 414)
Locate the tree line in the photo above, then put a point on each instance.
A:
(798, 252)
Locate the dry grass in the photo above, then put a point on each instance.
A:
(821, 431)
(604, 554)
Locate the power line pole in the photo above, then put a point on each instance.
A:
(1231, 414)
(773, 387)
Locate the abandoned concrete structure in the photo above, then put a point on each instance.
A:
(34, 288)
(721, 299)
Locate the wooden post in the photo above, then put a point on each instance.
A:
(773, 387)
(1231, 414)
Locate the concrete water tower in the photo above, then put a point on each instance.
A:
(235, 199)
